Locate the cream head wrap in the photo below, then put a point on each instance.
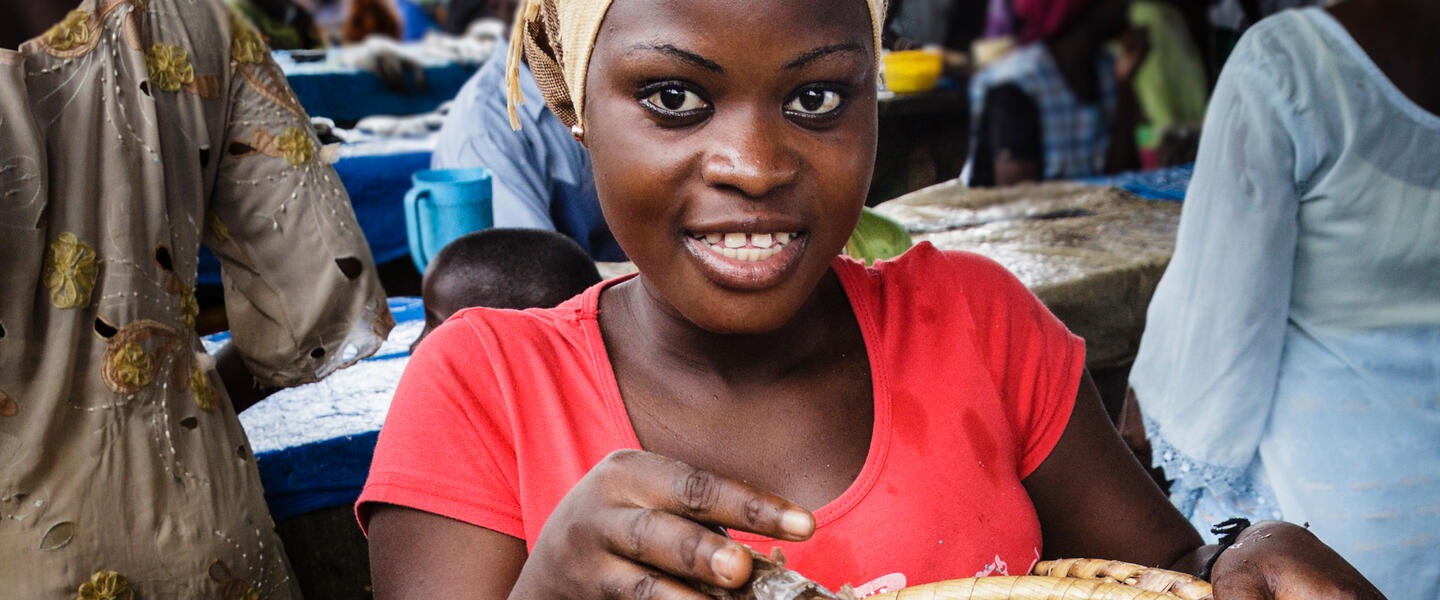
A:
(556, 37)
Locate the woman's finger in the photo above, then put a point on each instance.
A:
(703, 496)
(678, 546)
(629, 581)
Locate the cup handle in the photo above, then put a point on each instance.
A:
(413, 226)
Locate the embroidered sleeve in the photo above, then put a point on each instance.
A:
(301, 291)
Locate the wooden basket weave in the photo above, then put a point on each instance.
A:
(1067, 579)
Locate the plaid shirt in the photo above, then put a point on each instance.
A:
(1075, 136)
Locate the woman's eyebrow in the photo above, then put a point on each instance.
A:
(810, 56)
(681, 54)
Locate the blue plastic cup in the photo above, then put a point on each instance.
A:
(445, 204)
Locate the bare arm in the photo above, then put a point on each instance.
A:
(1096, 501)
(638, 525)
(415, 554)
(240, 384)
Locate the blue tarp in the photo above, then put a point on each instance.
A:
(313, 443)
(344, 93)
(1162, 184)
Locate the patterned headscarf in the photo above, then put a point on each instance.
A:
(1040, 19)
(556, 37)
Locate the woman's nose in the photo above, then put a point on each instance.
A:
(751, 154)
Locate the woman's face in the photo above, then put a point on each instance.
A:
(732, 142)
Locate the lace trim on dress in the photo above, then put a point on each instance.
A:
(1190, 477)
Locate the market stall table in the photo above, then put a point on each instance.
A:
(328, 87)
(1092, 253)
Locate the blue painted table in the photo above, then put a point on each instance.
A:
(313, 443)
(330, 88)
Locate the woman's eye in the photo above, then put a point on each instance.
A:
(676, 99)
(815, 102)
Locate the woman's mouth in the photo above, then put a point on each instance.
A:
(746, 260)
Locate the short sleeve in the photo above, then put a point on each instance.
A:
(301, 291)
(1035, 362)
(446, 447)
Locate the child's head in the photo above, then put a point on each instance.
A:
(732, 142)
(504, 268)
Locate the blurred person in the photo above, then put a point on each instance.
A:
(1237, 15)
(460, 14)
(130, 131)
(541, 174)
(371, 17)
(1170, 82)
(1290, 363)
(285, 24)
(952, 24)
(1051, 108)
(504, 268)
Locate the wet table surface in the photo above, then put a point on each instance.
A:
(1092, 253)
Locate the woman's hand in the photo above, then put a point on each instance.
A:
(1279, 560)
(642, 526)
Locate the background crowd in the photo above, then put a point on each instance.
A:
(1289, 368)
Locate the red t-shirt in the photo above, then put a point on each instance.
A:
(500, 412)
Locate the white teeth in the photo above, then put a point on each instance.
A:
(749, 247)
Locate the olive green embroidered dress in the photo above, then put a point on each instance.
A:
(129, 133)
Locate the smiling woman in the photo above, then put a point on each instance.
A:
(747, 131)
(923, 419)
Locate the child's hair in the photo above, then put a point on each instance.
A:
(371, 17)
(512, 268)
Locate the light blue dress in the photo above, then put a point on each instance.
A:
(1291, 361)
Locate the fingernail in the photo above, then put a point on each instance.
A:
(725, 562)
(797, 523)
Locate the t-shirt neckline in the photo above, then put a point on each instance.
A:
(852, 277)
(1337, 31)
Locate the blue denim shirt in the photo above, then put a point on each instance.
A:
(542, 177)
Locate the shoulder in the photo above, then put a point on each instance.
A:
(478, 105)
(500, 334)
(200, 29)
(958, 287)
(478, 124)
(1277, 73)
(925, 264)
(1275, 54)
(485, 88)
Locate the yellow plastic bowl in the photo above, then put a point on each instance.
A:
(912, 70)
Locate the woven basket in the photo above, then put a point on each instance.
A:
(1068, 579)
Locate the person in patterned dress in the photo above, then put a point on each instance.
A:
(131, 132)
